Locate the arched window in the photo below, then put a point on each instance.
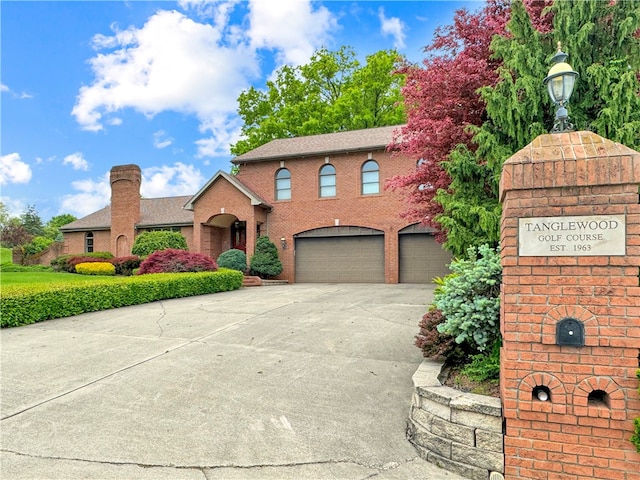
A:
(283, 184)
(88, 242)
(370, 178)
(328, 181)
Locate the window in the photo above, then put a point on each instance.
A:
(370, 178)
(88, 242)
(283, 184)
(328, 181)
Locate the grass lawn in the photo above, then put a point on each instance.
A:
(5, 255)
(22, 278)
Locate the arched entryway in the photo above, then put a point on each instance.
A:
(226, 231)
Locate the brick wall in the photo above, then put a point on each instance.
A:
(570, 437)
(306, 210)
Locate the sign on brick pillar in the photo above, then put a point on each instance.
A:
(570, 237)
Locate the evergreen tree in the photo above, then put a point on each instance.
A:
(31, 221)
(265, 262)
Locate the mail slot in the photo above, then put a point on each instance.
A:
(570, 331)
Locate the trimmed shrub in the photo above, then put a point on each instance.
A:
(148, 242)
(176, 261)
(95, 268)
(61, 263)
(233, 259)
(432, 343)
(265, 263)
(26, 304)
(470, 299)
(126, 265)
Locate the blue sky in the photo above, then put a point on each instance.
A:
(86, 85)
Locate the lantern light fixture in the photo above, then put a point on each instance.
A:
(560, 82)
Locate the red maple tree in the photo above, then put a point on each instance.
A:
(441, 100)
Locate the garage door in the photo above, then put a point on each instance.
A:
(340, 259)
(421, 258)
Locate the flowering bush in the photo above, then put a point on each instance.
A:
(174, 261)
(126, 265)
(95, 268)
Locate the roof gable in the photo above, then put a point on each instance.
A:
(328, 143)
(154, 212)
(255, 199)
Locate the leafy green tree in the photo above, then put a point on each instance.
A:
(265, 262)
(148, 242)
(331, 93)
(52, 227)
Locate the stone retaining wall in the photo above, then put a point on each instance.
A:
(460, 432)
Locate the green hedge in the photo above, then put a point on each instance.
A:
(26, 304)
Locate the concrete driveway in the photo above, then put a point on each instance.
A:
(275, 382)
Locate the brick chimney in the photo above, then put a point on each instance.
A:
(125, 207)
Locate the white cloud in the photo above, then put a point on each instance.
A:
(166, 181)
(291, 27)
(14, 170)
(77, 161)
(171, 63)
(93, 195)
(174, 63)
(21, 95)
(161, 139)
(14, 207)
(392, 26)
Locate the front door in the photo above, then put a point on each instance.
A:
(239, 236)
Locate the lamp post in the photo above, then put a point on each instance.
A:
(559, 83)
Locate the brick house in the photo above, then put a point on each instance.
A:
(320, 199)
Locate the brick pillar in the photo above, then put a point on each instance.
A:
(125, 207)
(570, 238)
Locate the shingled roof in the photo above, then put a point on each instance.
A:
(325, 144)
(154, 212)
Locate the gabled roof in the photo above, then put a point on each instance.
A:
(255, 198)
(328, 143)
(154, 212)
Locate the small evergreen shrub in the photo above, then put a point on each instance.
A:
(75, 261)
(148, 242)
(95, 268)
(485, 367)
(30, 303)
(470, 299)
(176, 261)
(126, 265)
(265, 262)
(233, 259)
